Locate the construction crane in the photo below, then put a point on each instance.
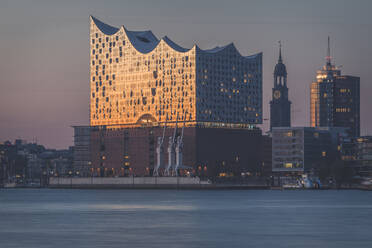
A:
(171, 150)
(160, 151)
(179, 148)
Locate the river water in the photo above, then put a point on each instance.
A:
(170, 218)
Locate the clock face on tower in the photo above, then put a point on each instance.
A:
(277, 94)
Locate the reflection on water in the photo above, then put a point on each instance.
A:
(140, 207)
(160, 218)
(58, 207)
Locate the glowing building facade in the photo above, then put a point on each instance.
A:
(137, 79)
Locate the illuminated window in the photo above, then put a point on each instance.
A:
(288, 165)
(289, 134)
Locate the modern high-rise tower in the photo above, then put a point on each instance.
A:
(280, 106)
(335, 99)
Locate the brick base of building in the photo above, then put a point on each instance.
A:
(208, 152)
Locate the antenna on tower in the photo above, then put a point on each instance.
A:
(280, 51)
(328, 58)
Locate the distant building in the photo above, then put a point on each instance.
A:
(12, 163)
(280, 106)
(335, 99)
(34, 165)
(29, 163)
(139, 84)
(304, 149)
(363, 153)
(357, 153)
(81, 150)
(62, 167)
(266, 155)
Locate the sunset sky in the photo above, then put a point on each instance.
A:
(44, 47)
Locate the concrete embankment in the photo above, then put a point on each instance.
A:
(168, 183)
(143, 183)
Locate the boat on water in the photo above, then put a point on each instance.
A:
(309, 182)
(367, 182)
(304, 182)
(292, 186)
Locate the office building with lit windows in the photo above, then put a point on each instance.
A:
(143, 88)
(335, 99)
(304, 149)
(357, 153)
(363, 151)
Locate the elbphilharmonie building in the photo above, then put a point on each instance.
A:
(136, 78)
(155, 105)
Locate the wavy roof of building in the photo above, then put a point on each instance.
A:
(146, 41)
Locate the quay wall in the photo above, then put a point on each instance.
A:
(126, 182)
(142, 183)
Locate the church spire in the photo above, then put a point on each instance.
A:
(280, 106)
(280, 72)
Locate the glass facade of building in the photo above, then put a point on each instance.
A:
(136, 79)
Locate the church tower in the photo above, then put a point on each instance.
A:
(280, 106)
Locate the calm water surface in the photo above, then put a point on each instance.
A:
(159, 218)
